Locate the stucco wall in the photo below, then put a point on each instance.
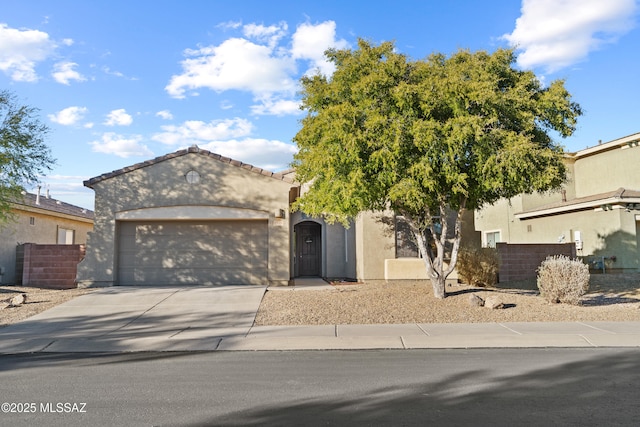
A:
(43, 231)
(163, 184)
(375, 243)
(600, 172)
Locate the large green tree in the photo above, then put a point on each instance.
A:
(24, 157)
(428, 139)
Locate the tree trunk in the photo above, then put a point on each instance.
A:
(438, 284)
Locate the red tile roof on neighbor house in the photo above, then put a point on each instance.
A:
(285, 176)
(46, 203)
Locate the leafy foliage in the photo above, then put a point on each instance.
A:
(23, 153)
(427, 138)
(478, 266)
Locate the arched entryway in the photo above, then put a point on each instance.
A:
(308, 249)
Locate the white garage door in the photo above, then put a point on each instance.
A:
(192, 253)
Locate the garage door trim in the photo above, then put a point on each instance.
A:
(191, 212)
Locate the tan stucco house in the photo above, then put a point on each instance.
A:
(598, 209)
(196, 218)
(40, 219)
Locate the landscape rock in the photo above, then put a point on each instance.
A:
(476, 301)
(18, 300)
(493, 303)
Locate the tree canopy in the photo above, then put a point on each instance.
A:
(24, 156)
(427, 138)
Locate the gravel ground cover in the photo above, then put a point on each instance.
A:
(38, 300)
(614, 297)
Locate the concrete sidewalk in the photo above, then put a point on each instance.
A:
(221, 319)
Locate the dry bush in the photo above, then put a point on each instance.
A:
(561, 279)
(478, 266)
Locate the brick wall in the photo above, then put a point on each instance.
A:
(48, 266)
(520, 261)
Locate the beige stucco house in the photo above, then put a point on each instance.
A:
(195, 217)
(40, 219)
(598, 209)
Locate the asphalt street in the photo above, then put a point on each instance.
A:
(543, 386)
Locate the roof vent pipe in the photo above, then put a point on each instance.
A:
(38, 196)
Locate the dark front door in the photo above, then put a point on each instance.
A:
(308, 248)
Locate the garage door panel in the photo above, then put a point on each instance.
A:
(188, 252)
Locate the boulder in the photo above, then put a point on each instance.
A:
(493, 303)
(475, 300)
(18, 300)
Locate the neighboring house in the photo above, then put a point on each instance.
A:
(598, 209)
(42, 220)
(195, 217)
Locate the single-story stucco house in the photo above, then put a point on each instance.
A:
(193, 217)
(40, 219)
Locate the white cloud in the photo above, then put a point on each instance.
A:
(272, 155)
(68, 116)
(121, 146)
(230, 25)
(118, 118)
(63, 184)
(194, 131)
(165, 114)
(64, 72)
(116, 73)
(263, 63)
(21, 50)
(311, 41)
(235, 64)
(554, 34)
(276, 107)
(226, 104)
(270, 35)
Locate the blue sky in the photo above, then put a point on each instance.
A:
(120, 82)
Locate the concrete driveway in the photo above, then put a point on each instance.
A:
(139, 319)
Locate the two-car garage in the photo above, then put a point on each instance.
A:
(221, 252)
(191, 217)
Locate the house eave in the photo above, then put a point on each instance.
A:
(623, 143)
(31, 209)
(609, 203)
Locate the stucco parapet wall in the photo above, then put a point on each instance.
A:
(191, 213)
(409, 269)
(625, 142)
(193, 149)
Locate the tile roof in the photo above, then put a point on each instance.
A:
(193, 149)
(53, 205)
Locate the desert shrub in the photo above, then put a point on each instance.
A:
(478, 266)
(561, 279)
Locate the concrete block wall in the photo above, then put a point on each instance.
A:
(48, 266)
(520, 261)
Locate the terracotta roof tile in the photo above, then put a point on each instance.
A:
(193, 149)
(53, 205)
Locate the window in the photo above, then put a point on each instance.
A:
(32, 220)
(491, 238)
(405, 243)
(65, 236)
